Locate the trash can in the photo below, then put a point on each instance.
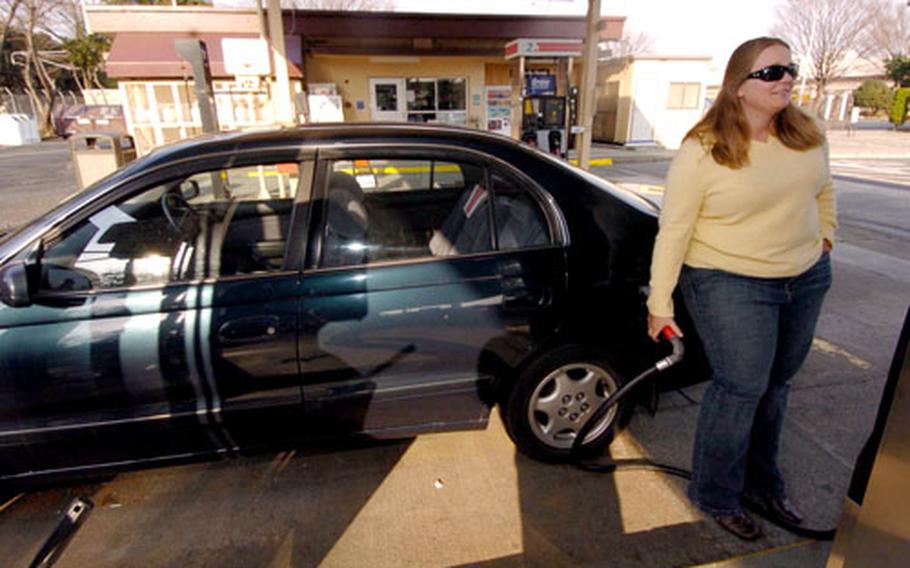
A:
(97, 154)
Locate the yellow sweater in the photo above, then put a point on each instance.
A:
(766, 219)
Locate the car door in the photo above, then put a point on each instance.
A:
(408, 308)
(165, 323)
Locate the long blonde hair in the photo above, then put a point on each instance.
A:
(724, 129)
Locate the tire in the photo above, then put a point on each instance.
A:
(554, 397)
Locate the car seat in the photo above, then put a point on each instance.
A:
(466, 229)
(346, 222)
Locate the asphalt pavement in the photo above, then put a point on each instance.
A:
(467, 498)
(843, 144)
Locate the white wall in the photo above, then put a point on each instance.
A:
(669, 125)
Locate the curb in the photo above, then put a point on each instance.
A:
(610, 160)
(627, 159)
(642, 159)
(854, 156)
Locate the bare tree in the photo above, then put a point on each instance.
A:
(350, 5)
(631, 43)
(34, 71)
(8, 9)
(825, 34)
(41, 59)
(889, 29)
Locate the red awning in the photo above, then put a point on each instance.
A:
(137, 55)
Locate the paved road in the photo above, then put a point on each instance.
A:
(887, 171)
(32, 180)
(468, 498)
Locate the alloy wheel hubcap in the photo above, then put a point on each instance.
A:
(565, 400)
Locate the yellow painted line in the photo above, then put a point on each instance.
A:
(401, 170)
(267, 174)
(10, 502)
(595, 162)
(831, 349)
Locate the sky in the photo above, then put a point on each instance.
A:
(677, 27)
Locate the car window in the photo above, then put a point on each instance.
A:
(211, 224)
(520, 221)
(380, 210)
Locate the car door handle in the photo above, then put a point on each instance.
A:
(248, 330)
(524, 299)
(518, 294)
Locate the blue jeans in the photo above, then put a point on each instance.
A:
(756, 333)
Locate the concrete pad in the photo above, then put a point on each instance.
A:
(860, 316)
(817, 478)
(854, 405)
(439, 500)
(806, 554)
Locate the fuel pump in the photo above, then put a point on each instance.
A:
(543, 123)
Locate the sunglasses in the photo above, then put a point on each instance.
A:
(774, 72)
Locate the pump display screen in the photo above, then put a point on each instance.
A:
(554, 112)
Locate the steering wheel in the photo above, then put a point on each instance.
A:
(176, 209)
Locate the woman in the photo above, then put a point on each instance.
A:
(747, 224)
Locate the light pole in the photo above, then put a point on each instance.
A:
(586, 92)
(282, 93)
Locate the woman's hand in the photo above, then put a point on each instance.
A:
(827, 245)
(657, 323)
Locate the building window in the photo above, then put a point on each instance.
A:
(386, 98)
(161, 112)
(683, 95)
(451, 94)
(437, 100)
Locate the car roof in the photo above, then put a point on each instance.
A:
(314, 135)
(321, 133)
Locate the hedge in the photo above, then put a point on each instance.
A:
(899, 106)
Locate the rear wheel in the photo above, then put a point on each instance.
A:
(554, 398)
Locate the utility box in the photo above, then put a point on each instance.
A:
(18, 130)
(97, 154)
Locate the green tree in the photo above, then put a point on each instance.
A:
(899, 107)
(873, 95)
(898, 70)
(86, 55)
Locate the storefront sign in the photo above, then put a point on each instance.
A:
(544, 48)
(540, 84)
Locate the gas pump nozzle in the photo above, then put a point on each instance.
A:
(662, 365)
(678, 350)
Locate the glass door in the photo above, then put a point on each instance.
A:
(387, 100)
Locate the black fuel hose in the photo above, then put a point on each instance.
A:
(662, 365)
(644, 464)
(75, 514)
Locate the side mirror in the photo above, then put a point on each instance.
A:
(14, 285)
(189, 189)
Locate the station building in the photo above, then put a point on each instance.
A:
(350, 66)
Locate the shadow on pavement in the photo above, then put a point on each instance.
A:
(279, 509)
